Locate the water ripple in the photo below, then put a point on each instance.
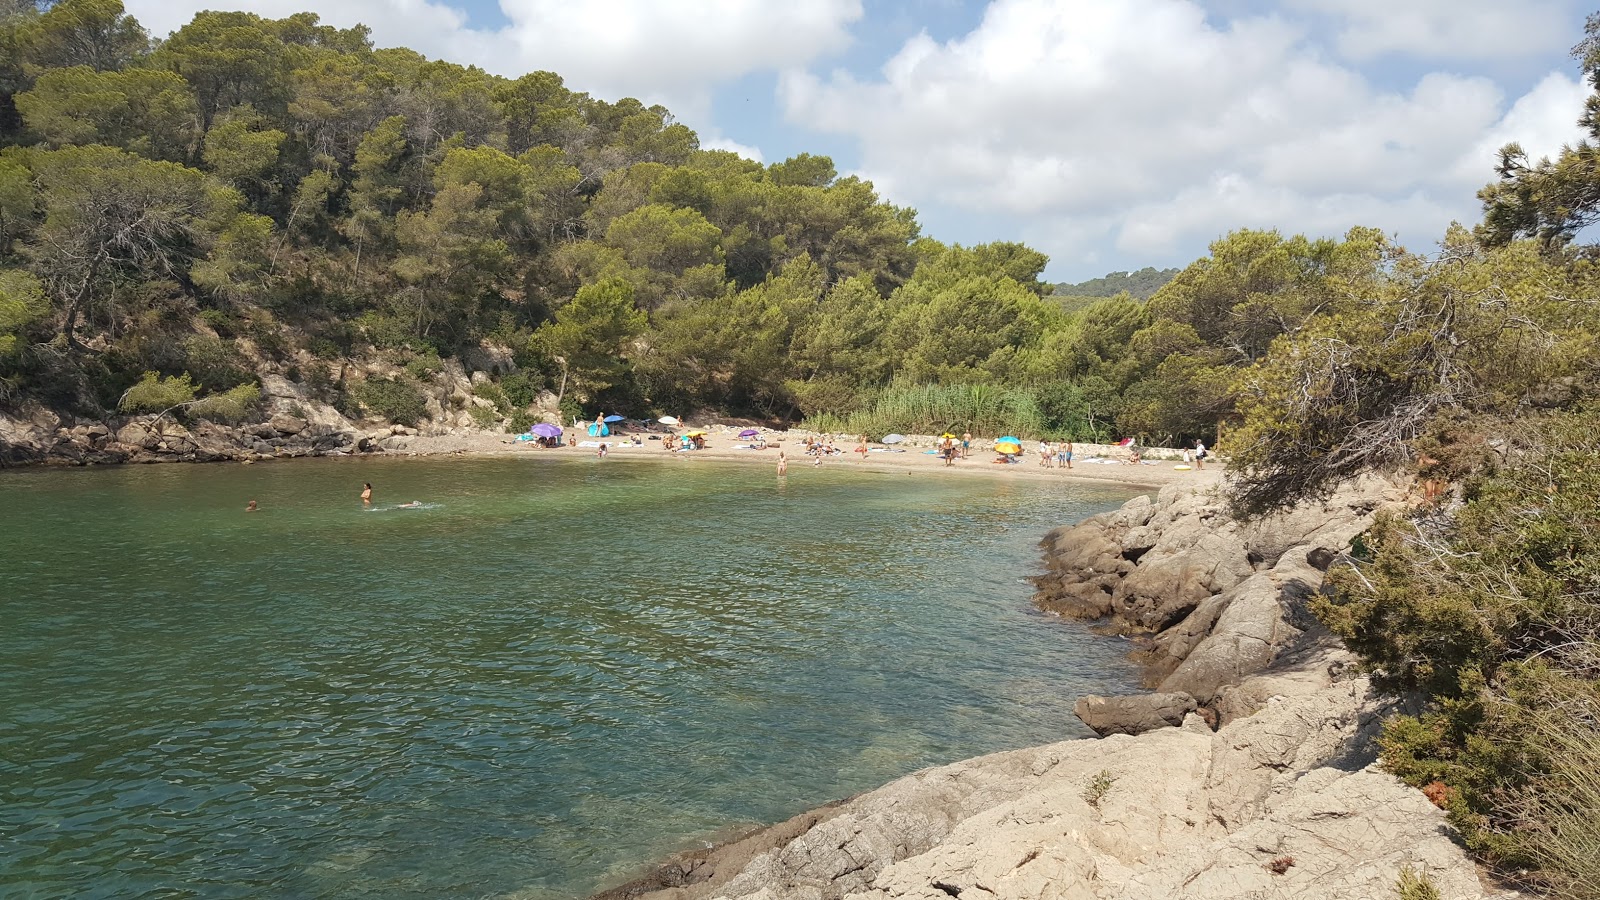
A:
(554, 673)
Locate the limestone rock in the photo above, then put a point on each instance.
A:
(284, 423)
(1133, 714)
(1176, 812)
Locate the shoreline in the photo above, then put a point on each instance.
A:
(1269, 787)
(913, 459)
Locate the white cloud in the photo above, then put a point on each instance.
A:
(718, 142)
(1450, 29)
(1148, 127)
(672, 53)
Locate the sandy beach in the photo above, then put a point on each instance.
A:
(724, 446)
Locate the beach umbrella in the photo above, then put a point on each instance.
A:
(695, 433)
(1008, 439)
(668, 420)
(545, 429)
(749, 432)
(1003, 447)
(893, 438)
(612, 419)
(1125, 442)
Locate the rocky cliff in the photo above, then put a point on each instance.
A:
(290, 422)
(1283, 800)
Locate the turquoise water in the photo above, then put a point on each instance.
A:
(553, 673)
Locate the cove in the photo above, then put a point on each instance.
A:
(553, 673)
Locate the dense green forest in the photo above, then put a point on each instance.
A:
(253, 195)
(1141, 285)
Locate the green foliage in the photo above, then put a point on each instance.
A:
(934, 409)
(520, 422)
(425, 365)
(396, 399)
(157, 393)
(22, 303)
(1098, 786)
(1480, 331)
(589, 335)
(492, 393)
(231, 406)
(522, 388)
(1140, 285)
(1492, 612)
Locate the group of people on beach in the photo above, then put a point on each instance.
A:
(1055, 454)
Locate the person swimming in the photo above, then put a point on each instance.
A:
(415, 504)
(250, 507)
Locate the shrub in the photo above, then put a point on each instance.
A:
(1415, 887)
(425, 365)
(220, 322)
(521, 388)
(397, 400)
(155, 393)
(215, 364)
(521, 421)
(492, 393)
(231, 406)
(931, 409)
(1097, 788)
(485, 417)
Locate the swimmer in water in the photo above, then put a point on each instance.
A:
(366, 493)
(250, 507)
(415, 504)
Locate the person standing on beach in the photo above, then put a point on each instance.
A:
(861, 447)
(1199, 454)
(783, 463)
(966, 444)
(1064, 454)
(366, 493)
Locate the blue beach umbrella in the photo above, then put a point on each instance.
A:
(612, 419)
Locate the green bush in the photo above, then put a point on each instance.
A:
(231, 406)
(932, 409)
(155, 393)
(397, 399)
(485, 417)
(220, 322)
(492, 393)
(521, 421)
(425, 365)
(215, 364)
(1492, 611)
(522, 389)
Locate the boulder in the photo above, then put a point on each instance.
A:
(1133, 714)
(1281, 804)
(283, 423)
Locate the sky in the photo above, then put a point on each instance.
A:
(1109, 134)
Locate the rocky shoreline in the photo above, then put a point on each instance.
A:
(1250, 772)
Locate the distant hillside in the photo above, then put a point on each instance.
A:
(1141, 284)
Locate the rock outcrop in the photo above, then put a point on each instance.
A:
(1284, 799)
(43, 438)
(1213, 600)
(1282, 802)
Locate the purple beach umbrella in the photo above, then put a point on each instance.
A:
(749, 432)
(545, 429)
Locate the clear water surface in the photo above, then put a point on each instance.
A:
(553, 673)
